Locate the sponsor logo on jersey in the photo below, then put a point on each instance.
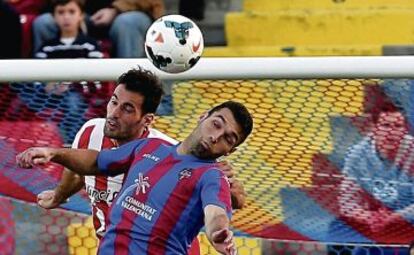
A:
(141, 209)
(151, 157)
(97, 196)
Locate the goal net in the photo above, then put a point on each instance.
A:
(328, 169)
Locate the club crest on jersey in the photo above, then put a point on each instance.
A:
(185, 173)
(142, 184)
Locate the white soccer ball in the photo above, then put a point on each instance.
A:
(174, 43)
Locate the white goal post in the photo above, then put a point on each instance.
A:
(213, 68)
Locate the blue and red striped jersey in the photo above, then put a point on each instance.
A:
(160, 208)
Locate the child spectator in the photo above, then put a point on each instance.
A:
(125, 21)
(64, 102)
(71, 42)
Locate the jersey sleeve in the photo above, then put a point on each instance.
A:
(215, 190)
(116, 161)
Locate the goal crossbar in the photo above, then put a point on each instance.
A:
(213, 68)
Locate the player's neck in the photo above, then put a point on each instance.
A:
(120, 142)
(183, 148)
(142, 134)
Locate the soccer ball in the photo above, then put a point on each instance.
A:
(174, 43)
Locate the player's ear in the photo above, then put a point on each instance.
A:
(148, 119)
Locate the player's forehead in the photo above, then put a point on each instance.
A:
(123, 95)
(391, 117)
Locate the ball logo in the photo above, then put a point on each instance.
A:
(196, 46)
(159, 38)
(181, 29)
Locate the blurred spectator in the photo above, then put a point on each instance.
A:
(127, 21)
(28, 10)
(378, 188)
(11, 30)
(64, 99)
(193, 9)
(33, 7)
(166, 105)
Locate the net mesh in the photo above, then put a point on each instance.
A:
(318, 168)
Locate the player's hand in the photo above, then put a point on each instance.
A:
(104, 17)
(228, 170)
(48, 199)
(223, 242)
(238, 195)
(34, 156)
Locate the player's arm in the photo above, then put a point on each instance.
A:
(238, 195)
(215, 197)
(351, 202)
(69, 185)
(81, 161)
(217, 229)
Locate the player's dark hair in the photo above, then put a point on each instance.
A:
(376, 102)
(146, 84)
(240, 114)
(80, 3)
(387, 107)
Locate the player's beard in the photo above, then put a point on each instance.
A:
(197, 149)
(121, 133)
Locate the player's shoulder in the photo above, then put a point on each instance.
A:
(156, 134)
(212, 173)
(362, 146)
(210, 169)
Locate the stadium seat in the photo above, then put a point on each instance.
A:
(26, 21)
(317, 28)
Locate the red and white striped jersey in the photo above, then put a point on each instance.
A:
(103, 189)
